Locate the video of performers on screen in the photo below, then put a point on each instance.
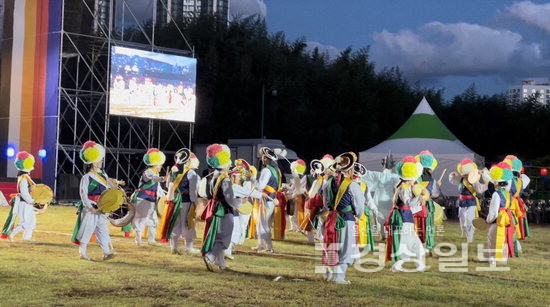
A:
(152, 85)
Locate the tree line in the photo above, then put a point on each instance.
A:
(318, 105)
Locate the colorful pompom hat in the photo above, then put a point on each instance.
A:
(427, 159)
(514, 163)
(92, 152)
(298, 167)
(327, 161)
(24, 161)
(193, 161)
(154, 157)
(501, 172)
(466, 166)
(409, 168)
(359, 170)
(218, 156)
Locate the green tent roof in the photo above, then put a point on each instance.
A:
(423, 124)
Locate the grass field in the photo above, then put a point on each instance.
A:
(49, 272)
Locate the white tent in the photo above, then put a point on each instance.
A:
(423, 131)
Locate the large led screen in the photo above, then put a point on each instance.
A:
(152, 85)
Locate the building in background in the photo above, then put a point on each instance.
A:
(530, 89)
(167, 10)
(219, 8)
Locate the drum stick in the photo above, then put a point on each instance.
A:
(441, 177)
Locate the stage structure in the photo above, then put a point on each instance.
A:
(76, 48)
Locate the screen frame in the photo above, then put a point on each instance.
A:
(158, 50)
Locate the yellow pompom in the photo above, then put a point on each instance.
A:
(155, 158)
(28, 163)
(300, 169)
(496, 173)
(409, 170)
(224, 158)
(92, 154)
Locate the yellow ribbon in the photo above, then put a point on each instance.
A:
(503, 221)
(362, 229)
(341, 190)
(474, 194)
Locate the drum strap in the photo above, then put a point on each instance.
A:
(179, 178)
(101, 177)
(29, 180)
(341, 190)
(470, 187)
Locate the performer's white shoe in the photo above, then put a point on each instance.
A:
(85, 257)
(193, 250)
(342, 282)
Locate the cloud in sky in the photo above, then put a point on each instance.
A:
(532, 14)
(245, 8)
(438, 49)
(331, 51)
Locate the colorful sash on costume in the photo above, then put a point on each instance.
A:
(279, 211)
(363, 226)
(251, 231)
(472, 191)
(519, 210)
(392, 225)
(96, 185)
(216, 212)
(279, 218)
(10, 220)
(312, 207)
(14, 202)
(505, 227)
(172, 211)
(334, 224)
(426, 220)
(299, 209)
(80, 208)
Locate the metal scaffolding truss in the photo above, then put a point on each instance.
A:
(88, 32)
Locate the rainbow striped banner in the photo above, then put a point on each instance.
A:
(31, 42)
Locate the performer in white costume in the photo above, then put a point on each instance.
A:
(500, 237)
(402, 242)
(242, 188)
(145, 197)
(345, 202)
(218, 213)
(296, 193)
(23, 202)
(186, 186)
(90, 220)
(365, 236)
(268, 184)
(469, 187)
